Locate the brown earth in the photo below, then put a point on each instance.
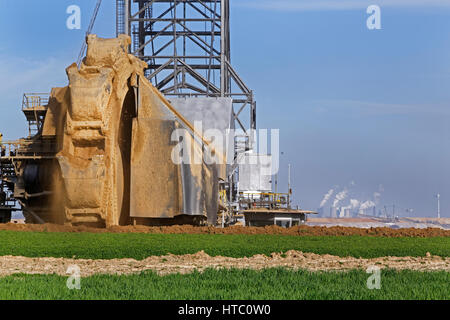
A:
(302, 230)
(184, 264)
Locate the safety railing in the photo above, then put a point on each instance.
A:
(266, 200)
(34, 100)
(30, 149)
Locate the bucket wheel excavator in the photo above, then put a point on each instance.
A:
(104, 155)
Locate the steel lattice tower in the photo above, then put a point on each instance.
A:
(186, 44)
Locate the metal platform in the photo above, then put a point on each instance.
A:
(34, 107)
(25, 149)
(265, 209)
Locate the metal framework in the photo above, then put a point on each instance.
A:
(13, 153)
(34, 107)
(7, 178)
(7, 202)
(186, 44)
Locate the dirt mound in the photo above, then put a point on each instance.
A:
(298, 231)
(200, 261)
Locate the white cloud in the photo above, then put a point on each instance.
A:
(330, 5)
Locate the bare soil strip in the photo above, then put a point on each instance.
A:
(183, 264)
(298, 231)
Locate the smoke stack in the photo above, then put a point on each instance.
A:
(333, 212)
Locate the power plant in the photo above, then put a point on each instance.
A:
(100, 151)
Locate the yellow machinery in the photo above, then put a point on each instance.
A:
(100, 151)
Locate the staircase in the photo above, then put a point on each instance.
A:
(7, 177)
(34, 107)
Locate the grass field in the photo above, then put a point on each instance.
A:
(273, 284)
(140, 246)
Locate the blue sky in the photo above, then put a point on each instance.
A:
(372, 107)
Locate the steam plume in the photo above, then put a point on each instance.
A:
(367, 205)
(339, 197)
(326, 198)
(354, 203)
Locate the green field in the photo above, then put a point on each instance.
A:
(140, 246)
(270, 284)
(233, 284)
